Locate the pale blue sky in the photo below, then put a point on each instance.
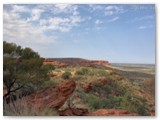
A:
(117, 33)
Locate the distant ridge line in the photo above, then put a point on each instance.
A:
(74, 62)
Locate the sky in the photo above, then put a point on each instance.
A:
(117, 33)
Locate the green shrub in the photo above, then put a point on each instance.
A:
(66, 75)
(113, 88)
(131, 103)
(83, 71)
(115, 95)
(100, 88)
(96, 102)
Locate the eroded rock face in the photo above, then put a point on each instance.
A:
(111, 112)
(53, 97)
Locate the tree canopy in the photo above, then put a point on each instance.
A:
(23, 70)
(25, 53)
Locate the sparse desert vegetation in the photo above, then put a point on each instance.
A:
(73, 89)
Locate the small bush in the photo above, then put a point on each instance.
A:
(96, 102)
(131, 103)
(66, 75)
(113, 88)
(83, 71)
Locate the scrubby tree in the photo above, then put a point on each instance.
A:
(9, 47)
(29, 53)
(25, 73)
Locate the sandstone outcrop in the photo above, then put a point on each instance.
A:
(53, 97)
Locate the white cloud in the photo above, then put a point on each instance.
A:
(19, 8)
(95, 7)
(107, 10)
(145, 27)
(143, 18)
(32, 28)
(60, 8)
(66, 8)
(110, 7)
(98, 22)
(108, 13)
(57, 23)
(61, 24)
(111, 10)
(75, 20)
(21, 31)
(113, 19)
(35, 14)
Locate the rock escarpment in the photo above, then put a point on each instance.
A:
(61, 62)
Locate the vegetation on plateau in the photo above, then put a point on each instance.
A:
(97, 87)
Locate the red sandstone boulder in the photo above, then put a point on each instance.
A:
(53, 97)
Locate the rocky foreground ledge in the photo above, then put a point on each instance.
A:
(55, 97)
